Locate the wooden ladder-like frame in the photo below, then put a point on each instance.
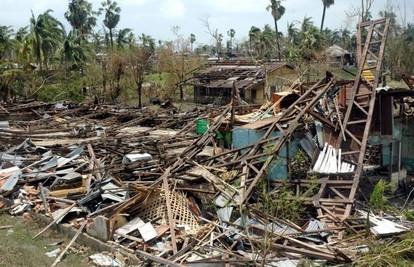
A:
(336, 196)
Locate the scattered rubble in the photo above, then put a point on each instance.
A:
(151, 186)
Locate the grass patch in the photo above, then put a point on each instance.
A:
(17, 247)
(396, 253)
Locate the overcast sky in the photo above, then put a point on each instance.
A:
(156, 17)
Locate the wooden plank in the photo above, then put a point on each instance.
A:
(292, 127)
(158, 259)
(171, 218)
(55, 220)
(78, 233)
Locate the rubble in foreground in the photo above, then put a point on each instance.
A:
(275, 186)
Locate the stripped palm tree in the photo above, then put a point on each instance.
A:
(326, 4)
(277, 11)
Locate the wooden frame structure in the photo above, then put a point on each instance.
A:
(336, 196)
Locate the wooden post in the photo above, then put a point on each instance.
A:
(171, 218)
(233, 104)
(59, 258)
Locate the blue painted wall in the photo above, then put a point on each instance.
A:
(278, 169)
(403, 131)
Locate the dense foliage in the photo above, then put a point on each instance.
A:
(46, 61)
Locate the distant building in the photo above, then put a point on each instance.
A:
(215, 83)
(337, 55)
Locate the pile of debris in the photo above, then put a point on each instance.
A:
(148, 185)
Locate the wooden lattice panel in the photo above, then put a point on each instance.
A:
(155, 207)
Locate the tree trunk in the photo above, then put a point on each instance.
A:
(111, 39)
(218, 50)
(181, 93)
(46, 66)
(279, 55)
(182, 78)
(104, 82)
(250, 45)
(323, 17)
(362, 11)
(139, 90)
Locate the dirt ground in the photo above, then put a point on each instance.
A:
(17, 247)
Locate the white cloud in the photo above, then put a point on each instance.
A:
(172, 8)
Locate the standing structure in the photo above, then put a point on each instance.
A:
(214, 84)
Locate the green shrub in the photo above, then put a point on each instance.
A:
(377, 199)
(65, 90)
(282, 204)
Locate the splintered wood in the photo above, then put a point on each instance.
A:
(252, 188)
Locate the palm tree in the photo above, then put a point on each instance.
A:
(334, 37)
(307, 24)
(408, 33)
(254, 35)
(112, 17)
(123, 38)
(310, 39)
(266, 41)
(219, 44)
(81, 16)
(22, 45)
(254, 32)
(98, 41)
(147, 42)
(326, 4)
(73, 52)
(47, 35)
(231, 33)
(395, 29)
(192, 40)
(277, 11)
(346, 39)
(6, 41)
(131, 39)
(293, 33)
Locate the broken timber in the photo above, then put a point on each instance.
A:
(360, 104)
(254, 160)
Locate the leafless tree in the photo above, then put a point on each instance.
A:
(403, 13)
(363, 12)
(214, 34)
(181, 46)
(139, 62)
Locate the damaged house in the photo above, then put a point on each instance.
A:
(161, 189)
(254, 82)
